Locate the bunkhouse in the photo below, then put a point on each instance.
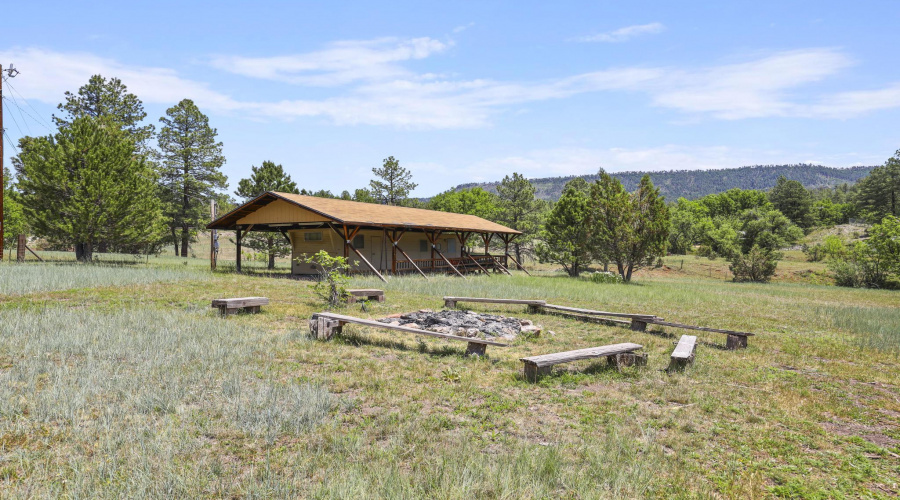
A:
(380, 239)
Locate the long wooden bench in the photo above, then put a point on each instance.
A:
(617, 355)
(354, 295)
(683, 354)
(533, 305)
(248, 304)
(736, 340)
(324, 324)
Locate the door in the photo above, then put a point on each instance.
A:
(376, 253)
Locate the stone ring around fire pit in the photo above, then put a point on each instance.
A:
(465, 324)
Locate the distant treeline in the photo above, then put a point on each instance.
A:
(693, 184)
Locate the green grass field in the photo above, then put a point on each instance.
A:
(118, 381)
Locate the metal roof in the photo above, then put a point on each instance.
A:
(365, 214)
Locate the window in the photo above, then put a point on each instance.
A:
(359, 242)
(451, 246)
(312, 236)
(423, 246)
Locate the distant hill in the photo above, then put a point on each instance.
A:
(696, 183)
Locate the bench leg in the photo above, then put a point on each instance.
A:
(351, 299)
(324, 328)
(380, 298)
(627, 359)
(252, 309)
(533, 372)
(736, 342)
(638, 326)
(534, 308)
(450, 304)
(473, 349)
(679, 364)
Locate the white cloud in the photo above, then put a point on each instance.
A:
(47, 75)
(464, 27)
(340, 63)
(624, 34)
(370, 83)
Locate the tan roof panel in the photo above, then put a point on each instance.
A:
(365, 214)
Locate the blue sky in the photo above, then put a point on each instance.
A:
(470, 91)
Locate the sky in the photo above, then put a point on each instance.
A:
(473, 91)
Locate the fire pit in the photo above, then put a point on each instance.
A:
(465, 323)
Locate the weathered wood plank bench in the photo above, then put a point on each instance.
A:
(736, 340)
(248, 304)
(365, 293)
(324, 324)
(533, 305)
(591, 312)
(617, 355)
(683, 354)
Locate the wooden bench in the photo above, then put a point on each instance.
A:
(367, 293)
(324, 324)
(617, 355)
(683, 354)
(248, 304)
(590, 312)
(736, 340)
(533, 305)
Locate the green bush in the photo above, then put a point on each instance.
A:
(332, 283)
(756, 265)
(862, 268)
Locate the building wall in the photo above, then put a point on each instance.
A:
(375, 248)
(280, 212)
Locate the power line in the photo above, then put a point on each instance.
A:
(14, 119)
(39, 119)
(11, 143)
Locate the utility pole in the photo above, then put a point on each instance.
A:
(12, 72)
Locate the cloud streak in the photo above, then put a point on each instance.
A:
(624, 34)
(374, 83)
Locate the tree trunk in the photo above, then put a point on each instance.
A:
(185, 240)
(271, 242)
(628, 275)
(84, 252)
(174, 240)
(518, 252)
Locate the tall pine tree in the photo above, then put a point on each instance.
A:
(519, 209)
(267, 177)
(87, 185)
(394, 183)
(190, 174)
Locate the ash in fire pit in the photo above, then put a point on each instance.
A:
(465, 323)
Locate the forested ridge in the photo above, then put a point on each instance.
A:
(692, 184)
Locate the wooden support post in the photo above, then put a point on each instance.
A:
(736, 342)
(534, 372)
(638, 325)
(286, 237)
(450, 304)
(367, 262)
(433, 240)
(627, 359)
(20, 249)
(486, 238)
(473, 349)
(237, 262)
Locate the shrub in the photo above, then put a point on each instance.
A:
(861, 269)
(603, 277)
(706, 251)
(814, 253)
(332, 281)
(756, 265)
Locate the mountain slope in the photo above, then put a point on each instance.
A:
(696, 183)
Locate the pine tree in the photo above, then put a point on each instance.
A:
(794, 201)
(395, 184)
(878, 195)
(566, 238)
(13, 214)
(519, 209)
(267, 177)
(102, 98)
(630, 230)
(85, 185)
(191, 160)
